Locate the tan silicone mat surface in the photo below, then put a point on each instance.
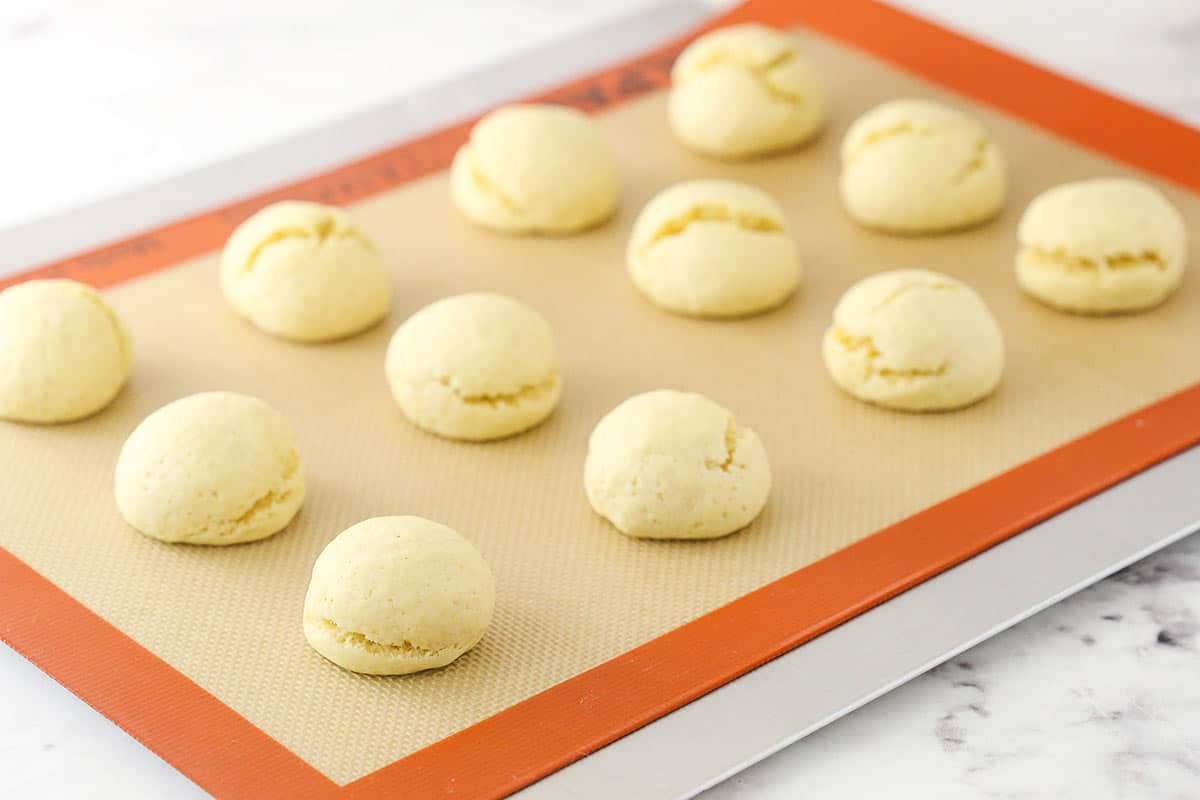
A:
(572, 591)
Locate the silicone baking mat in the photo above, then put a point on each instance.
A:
(198, 651)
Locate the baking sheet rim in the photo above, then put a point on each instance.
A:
(250, 760)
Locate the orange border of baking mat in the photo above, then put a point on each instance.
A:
(227, 755)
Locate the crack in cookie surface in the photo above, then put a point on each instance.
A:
(1113, 262)
(486, 185)
(852, 343)
(969, 167)
(731, 435)
(760, 71)
(322, 231)
(903, 289)
(363, 642)
(875, 137)
(915, 372)
(712, 212)
(526, 392)
(275, 496)
(974, 164)
(123, 344)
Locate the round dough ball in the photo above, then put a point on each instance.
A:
(1101, 246)
(713, 248)
(744, 91)
(211, 468)
(915, 166)
(394, 595)
(475, 367)
(63, 352)
(533, 169)
(914, 340)
(302, 271)
(675, 465)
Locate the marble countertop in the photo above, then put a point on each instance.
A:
(1097, 697)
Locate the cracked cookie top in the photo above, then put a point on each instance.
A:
(394, 595)
(742, 91)
(914, 340)
(1099, 246)
(916, 166)
(303, 271)
(713, 248)
(474, 366)
(212, 468)
(675, 465)
(533, 169)
(64, 353)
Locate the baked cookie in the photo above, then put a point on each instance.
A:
(916, 166)
(1101, 246)
(64, 354)
(394, 595)
(914, 340)
(535, 169)
(212, 468)
(713, 248)
(302, 271)
(475, 367)
(675, 465)
(744, 91)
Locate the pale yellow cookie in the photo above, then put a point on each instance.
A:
(64, 354)
(916, 166)
(535, 169)
(713, 248)
(302, 271)
(211, 468)
(675, 465)
(394, 595)
(744, 91)
(914, 340)
(1101, 246)
(475, 367)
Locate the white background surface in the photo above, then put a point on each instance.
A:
(1095, 698)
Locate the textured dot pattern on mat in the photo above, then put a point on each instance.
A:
(475, 367)
(743, 91)
(675, 465)
(916, 166)
(214, 468)
(64, 354)
(1101, 246)
(535, 169)
(914, 340)
(394, 595)
(713, 248)
(303, 271)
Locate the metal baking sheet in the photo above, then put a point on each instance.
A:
(755, 715)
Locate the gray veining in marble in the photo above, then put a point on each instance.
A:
(1096, 697)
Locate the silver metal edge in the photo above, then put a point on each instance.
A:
(340, 141)
(765, 710)
(748, 719)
